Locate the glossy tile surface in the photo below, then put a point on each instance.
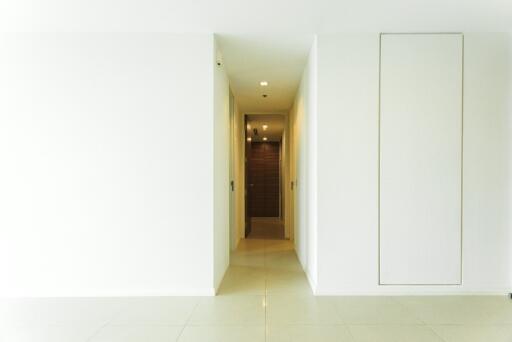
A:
(264, 297)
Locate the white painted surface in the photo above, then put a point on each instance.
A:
(221, 189)
(287, 178)
(278, 59)
(348, 72)
(232, 169)
(303, 116)
(239, 149)
(103, 190)
(348, 166)
(93, 203)
(487, 161)
(322, 16)
(420, 159)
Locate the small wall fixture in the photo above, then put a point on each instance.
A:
(249, 139)
(263, 83)
(264, 127)
(264, 138)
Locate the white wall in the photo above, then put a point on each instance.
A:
(221, 146)
(285, 174)
(487, 257)
(303, 154)
(347, 162)
(107, 163)
(239, 162)
(420, 158)
(348, 69)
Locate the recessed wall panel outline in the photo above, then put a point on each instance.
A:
(420, 159)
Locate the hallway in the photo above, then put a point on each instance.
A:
(265, 296)
(270, 228)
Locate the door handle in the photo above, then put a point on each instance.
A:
(232, 184)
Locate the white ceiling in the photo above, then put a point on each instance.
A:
(280, 31)
(277, 59)
(274, 131)
(256, 16)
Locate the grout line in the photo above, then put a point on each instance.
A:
(187, 322)
(435, 333)
(96, 333)
(423, 322)
(103, 326)
(408, 310)
(349, 332)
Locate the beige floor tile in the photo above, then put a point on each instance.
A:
(243, 280)
(498, 309)
(47, 333)
(230, 310)
(287, 282)
(474, 333)
(393, 333)
(373, 310)
(59, 311)
(251, 245)
(267, 228)
(308, 333)
(264, 295)
(279, 246)
(223, 334)
(285, 260)
(156, 310)
(459, 309)
(300, 309)
(250, 259)
(138, 333)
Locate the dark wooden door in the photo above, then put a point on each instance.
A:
(263, 179)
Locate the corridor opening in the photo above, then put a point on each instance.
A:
(268, 81)
(265, 167)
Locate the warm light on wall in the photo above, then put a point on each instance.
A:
(249, 139)
(263, 83)
(264, 138)
(265, 127)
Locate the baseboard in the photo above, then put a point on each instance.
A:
(413, 291)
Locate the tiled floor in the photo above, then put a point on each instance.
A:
(264, 297)
(266, 228)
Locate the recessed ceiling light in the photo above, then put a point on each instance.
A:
(264, 138)
(263, 83)
(265, 127)
(249, 139)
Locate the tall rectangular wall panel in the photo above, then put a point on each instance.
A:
(420, 197)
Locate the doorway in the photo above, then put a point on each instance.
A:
(264, 176)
